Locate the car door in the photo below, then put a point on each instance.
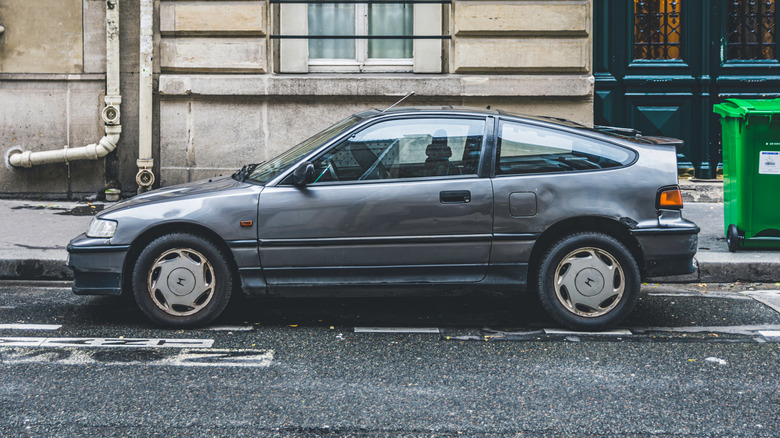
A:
(400, 201)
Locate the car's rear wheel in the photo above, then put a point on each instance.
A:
(588, 281)
(182, 280)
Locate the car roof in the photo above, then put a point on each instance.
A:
(425, 109)
(626, 134)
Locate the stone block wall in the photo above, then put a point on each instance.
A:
(228, 91)
(230, 94)
(52, 84)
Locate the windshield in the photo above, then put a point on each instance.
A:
(270, 169)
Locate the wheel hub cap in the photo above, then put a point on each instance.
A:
(589, 282)
(181, 281)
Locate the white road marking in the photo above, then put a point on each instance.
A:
(30, 326)
(105, 342)
(183, 358)
(716, 360)
(769, 333)
(416, 330)
(745, 330)
(7, 307)
(230, 328)
(719, 295)
(770, 298)
(619, 332)
(220, 358)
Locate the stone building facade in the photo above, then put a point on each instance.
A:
(239, 81)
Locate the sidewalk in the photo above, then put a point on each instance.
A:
(34, 235)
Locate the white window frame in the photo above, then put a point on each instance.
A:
(361, 63)
(294, 53)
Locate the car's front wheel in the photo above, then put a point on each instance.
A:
(588, 281)
(182, 280)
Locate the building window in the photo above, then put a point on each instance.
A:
(361, 36)
(360, 54)
(751, 34)
(657, 29)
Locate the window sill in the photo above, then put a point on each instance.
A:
(376, 84)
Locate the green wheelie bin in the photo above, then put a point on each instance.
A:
(751, 172)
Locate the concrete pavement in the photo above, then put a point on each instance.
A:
(34, 236)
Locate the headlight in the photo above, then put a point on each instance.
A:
(101, 228)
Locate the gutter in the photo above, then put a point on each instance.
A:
(145, 162)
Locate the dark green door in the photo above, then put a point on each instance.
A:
(660, 66)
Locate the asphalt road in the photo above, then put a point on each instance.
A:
(690, 361)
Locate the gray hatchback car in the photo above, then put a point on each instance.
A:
(408, 201)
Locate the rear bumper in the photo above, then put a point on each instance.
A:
(97, 266)
(668, 251)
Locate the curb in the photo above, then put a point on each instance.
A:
(34, 269)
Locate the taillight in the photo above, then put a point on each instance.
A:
(669, 198)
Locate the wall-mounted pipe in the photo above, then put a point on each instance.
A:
(20, 158)
(145, 177)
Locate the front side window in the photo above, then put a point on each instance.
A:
(530, 149)
(408, 148)
(268, 170)
(344, 20)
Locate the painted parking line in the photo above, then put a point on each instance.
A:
(230, 328)
(30, 326)
(770, 298)
(179, 358)
(714, 295)
(769, 333)
(104, 342)
(405, 330)
(561, 332)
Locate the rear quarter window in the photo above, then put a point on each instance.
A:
(526, 149)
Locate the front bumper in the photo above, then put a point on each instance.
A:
(97, 266)
(668, 251)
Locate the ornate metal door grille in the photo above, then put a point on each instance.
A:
(751, 29)
(657, 29)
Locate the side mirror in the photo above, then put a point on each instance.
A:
(303, 174)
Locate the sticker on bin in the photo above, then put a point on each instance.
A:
(769, 163)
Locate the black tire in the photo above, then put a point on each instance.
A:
(732, 238)
(198, 280)
(588, 263)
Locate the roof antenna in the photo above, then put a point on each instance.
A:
(402, 99)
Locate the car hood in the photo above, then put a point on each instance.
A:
(180, 191)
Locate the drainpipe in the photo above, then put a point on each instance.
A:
(145, 177)
(17, 157)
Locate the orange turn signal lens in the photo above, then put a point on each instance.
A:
(670, 198)
(246, 223)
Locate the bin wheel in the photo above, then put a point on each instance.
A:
(732, 238)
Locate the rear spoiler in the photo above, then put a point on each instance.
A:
(676, 142)
(636, 136)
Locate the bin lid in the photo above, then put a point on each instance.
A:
(743, 107)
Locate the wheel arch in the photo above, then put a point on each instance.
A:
(605, 225)
(145, 238)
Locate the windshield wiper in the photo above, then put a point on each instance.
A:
(241, 174)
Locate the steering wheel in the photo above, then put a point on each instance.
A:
(331, 169)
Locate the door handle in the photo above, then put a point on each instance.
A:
(455, 197)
